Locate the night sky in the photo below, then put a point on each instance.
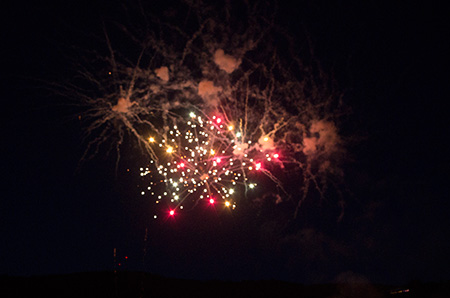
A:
(391, 61)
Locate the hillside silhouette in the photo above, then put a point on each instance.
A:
(138, 284)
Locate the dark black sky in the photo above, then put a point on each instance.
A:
(390, 59)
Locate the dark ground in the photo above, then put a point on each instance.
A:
(137, 284)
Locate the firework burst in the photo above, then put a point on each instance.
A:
(212, 106)
(206, 159)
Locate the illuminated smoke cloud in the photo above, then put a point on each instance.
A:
(266, 143)
(123, 105)
(240, 149)
(324, 139)
(162, 73)
(226, 62)
(209, 93)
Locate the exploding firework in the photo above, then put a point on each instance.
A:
(213, 103)
(207, 159)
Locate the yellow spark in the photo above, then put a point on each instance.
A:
(169, 150)
(227, 204)
(151, 139)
